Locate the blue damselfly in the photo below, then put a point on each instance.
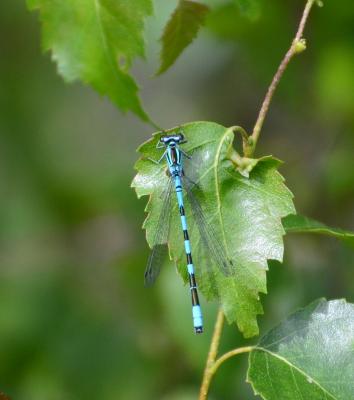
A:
(175, 157)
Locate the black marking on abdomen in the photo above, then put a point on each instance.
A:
(192, 282)
(181, 210)
(195, 298)
(189, 258)
(185, 234)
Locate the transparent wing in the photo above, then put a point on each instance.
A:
(207, 232)
(159, 250)
(193, 164)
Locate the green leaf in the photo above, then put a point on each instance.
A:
(249, 8)
(300, 224)
(245, 213)
(180, 31)
(95, 41)
(308, 356)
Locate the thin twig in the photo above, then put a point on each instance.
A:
(213, 363)
(296, 47)
(213, 352)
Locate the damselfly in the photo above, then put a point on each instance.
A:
(174, 156)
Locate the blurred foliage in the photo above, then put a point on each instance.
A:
(180, 31)
(249, 8)
(75, 320)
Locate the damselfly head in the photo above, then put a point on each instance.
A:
(173, 139)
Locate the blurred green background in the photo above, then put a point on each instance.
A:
(75, 319)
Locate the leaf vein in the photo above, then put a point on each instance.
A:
(279, 357)
(301, 329)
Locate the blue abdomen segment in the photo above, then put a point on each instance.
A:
(196, 309)
(197, 319)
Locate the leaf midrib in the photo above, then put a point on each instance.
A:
(217, 191)
(104, 40)
(218, 197)
(291, 365)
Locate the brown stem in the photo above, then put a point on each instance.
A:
(297, 46)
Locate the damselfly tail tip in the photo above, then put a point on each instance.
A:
(198, 329)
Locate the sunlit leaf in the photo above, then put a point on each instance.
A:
(245, 213)
(95, 41)
(308, 356)
(180, 31)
